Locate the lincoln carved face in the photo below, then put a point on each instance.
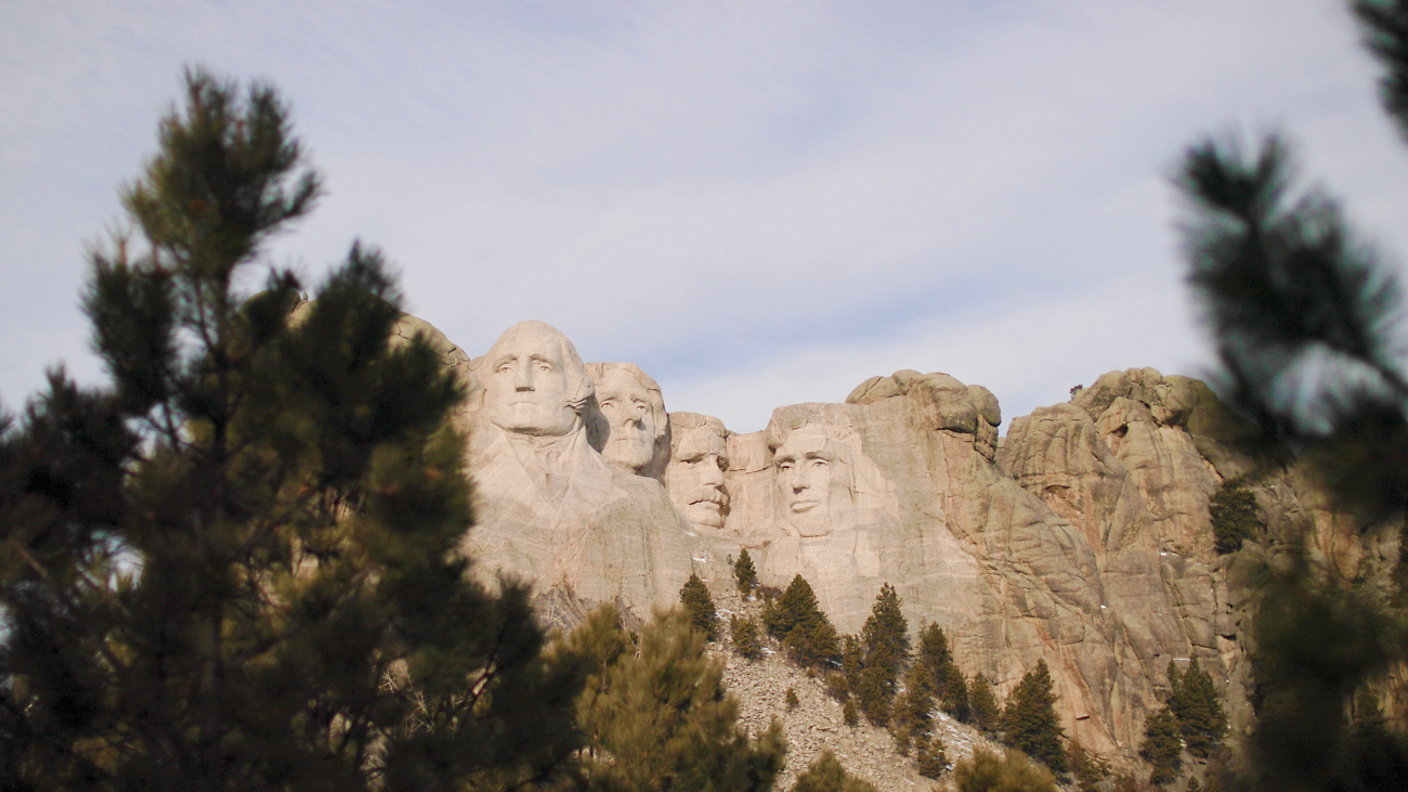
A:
(695, 475)
(808, 477)
(630, 430)
(534, 383)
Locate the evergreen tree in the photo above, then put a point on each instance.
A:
(852, 661)
(234, 568)
(827, 775)
(929, 758)
(1029, 719)
(1235, 516)
(1195, 705)
(1088, 770)
(1175, 680)
(949, 684)
(1376, 757)
(694, 596)
(1162, 747)
(1306, 321)
(848, 712)
(744, 574)
(886, 640)
(797, 620)
(986, 713)
(913, 709)
(744, 632)
(954, 696)
(656, 716)
(985, 771)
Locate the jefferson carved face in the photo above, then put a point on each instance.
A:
(807, 474)
(695, 476)
(531, 378)
(630, 422)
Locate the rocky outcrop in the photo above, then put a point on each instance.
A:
(1130, 462)
(1081, 538)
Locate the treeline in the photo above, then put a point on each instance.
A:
(880, 676)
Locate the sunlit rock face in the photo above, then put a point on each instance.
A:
(1082, 538)
(627, 423)
(695, 473)
(551, 508)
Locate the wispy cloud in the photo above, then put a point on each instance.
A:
(760, 203)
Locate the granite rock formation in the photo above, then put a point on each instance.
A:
(1082, 537)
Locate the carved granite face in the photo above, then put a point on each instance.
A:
(531, 379)
(807, 477)
(630, 421)
(695, 477)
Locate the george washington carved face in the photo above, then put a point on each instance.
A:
(534, 382)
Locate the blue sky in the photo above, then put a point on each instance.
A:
(760, 203)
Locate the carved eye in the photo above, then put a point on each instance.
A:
(723, 463)
(817, 463)
(544, 366)
(608, 403)
(504, 368)
(785, 466)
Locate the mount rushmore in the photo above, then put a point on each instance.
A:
(1081, 537)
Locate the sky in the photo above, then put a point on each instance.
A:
(760, 203)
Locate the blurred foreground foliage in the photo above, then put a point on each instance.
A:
(234, 567)
(1308, 324)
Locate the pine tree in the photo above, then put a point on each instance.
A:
(913, 709)
(1029, 719)
(986, 713)
(1235, 516)
(826, 774)
(744, 574)
(797, 620)
(656, 716)
(1195, 705)
(1305, 316)
(885, 636)
(848, 712)
(1375, 757)
(1175, 680)
(234, 567)
(985, 771)
(949, 684)
(1162, 747)
(1088, 770)
(929, 758)
(744, 632)
(852, 661)
(694, 596)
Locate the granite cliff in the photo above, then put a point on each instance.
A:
(1081, 537)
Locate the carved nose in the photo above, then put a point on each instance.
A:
(799, 478)
(524, 380)
(711, 474)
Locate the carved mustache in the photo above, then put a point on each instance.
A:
(709, 495)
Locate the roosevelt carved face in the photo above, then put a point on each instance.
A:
(695, 477)
(530, 381)
(630, 422)
(807, 477)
